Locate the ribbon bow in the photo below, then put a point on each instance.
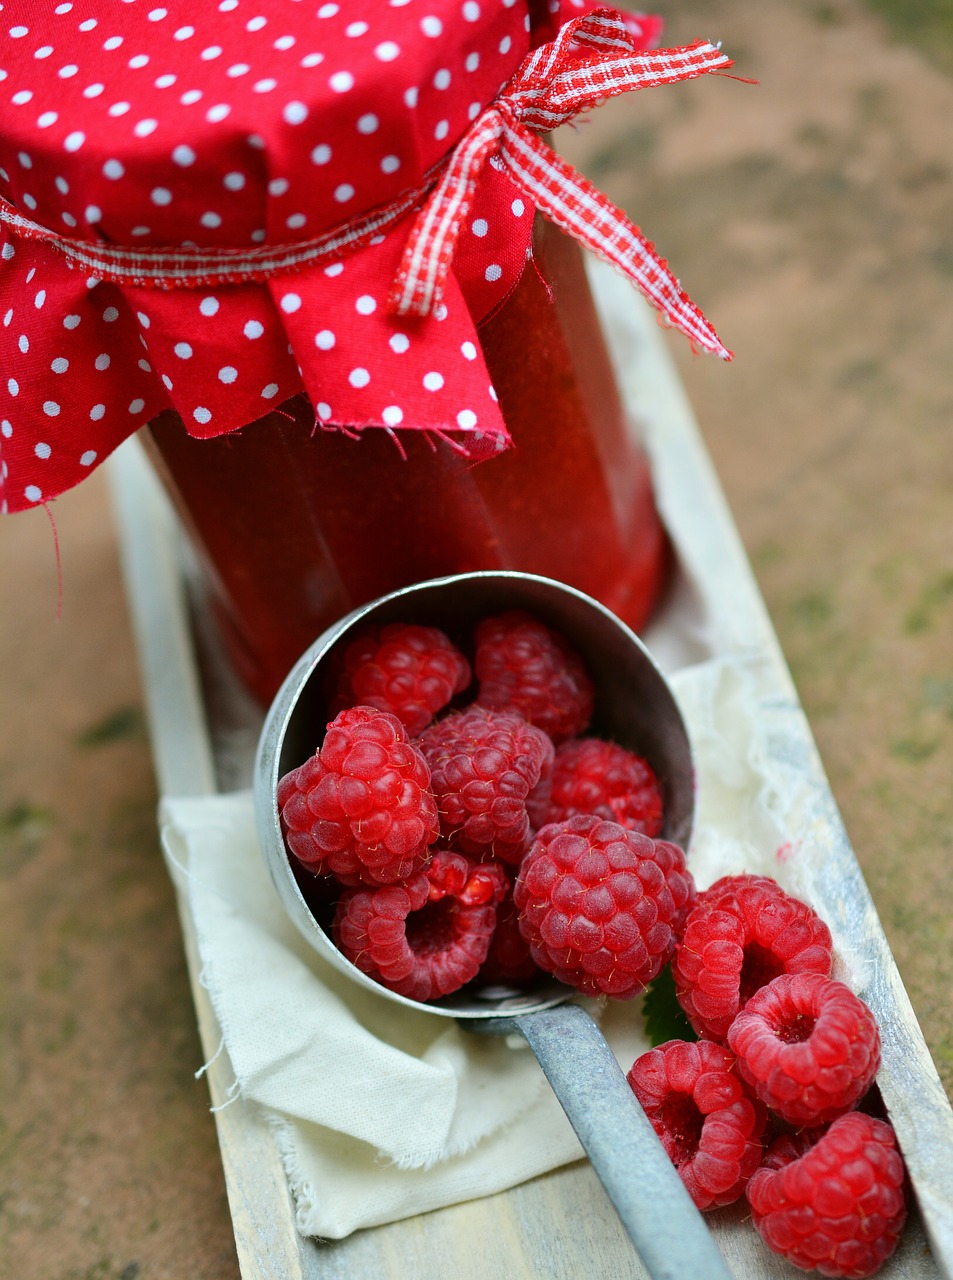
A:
(592, 58)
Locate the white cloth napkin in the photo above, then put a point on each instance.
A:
(381, 1112)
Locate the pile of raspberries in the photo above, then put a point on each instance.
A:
(463, 829)
(774, 1100)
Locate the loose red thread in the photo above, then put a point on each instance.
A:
(59, 561)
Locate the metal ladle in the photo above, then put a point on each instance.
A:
(634, 707)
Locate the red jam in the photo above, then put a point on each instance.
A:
(297, 528)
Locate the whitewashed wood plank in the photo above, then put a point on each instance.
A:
(269, 1247)
(149, 552)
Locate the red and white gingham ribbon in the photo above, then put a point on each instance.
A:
(554, 85)
(192, 267)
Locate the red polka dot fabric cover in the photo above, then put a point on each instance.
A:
(236, 124)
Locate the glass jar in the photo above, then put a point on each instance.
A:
(297, 525)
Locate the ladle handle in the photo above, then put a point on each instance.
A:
(655, 1208)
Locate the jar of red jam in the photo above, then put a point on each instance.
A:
(302, 251)
(298, 527)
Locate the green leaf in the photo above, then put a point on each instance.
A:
(664, 1017)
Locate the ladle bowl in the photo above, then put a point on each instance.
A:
(633, 707)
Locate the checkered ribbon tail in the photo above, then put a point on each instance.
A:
(591, 59)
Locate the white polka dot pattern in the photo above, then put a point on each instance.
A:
(231, 126)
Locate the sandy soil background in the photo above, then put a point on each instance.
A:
(812, 218)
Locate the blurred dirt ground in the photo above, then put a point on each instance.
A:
(811, 216)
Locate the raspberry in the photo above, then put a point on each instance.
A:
(741, 933)
(600, 905)
(592, 776)
(427, 937)
(509, 962)
(410, 671)
(473, 883)
(522, 664)
(707, 1123)
(361, 808)
(537, 802)
(807, 1046)
(483, 765)
(832, 1201)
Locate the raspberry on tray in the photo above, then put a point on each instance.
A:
(807, 1046)
(708, 1123)
(743, 931)
(361, 808)
(601, 906)
(832, 1200)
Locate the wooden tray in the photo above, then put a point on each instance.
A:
(203, 733)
